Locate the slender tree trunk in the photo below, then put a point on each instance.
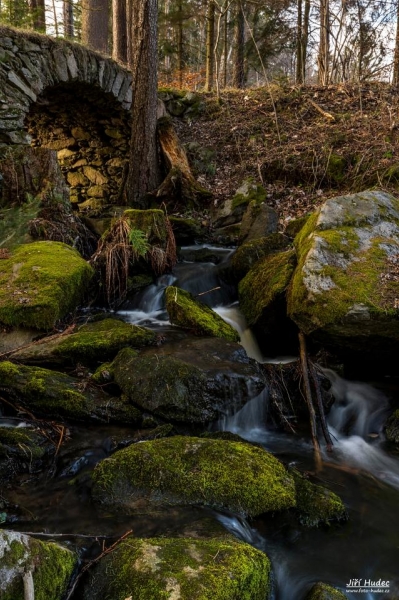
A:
(143, 160)
(119, 30)
(210, 41)
(95, 24)
(38, 15)
(67, 13)
(180, 57)
(299, 47)
(395, 78)
(305, 38)
(226, 47)
(324, 47)
(239, 72)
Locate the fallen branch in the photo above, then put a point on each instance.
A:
(320, 407)
(44, 340)
(308, 398)
(29, 586)
(95, 561)
(207, 292)
(325, 114)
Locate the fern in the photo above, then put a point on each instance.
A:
(139, 242)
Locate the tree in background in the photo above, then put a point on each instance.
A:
(210, 43)
(95, 17)
(144, 173)
(119, 31)
(239, 42)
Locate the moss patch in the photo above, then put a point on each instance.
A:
(248, 254)
(184, 470)
(51, 566)
(184, 310)
(152, 222)
(21, 443)
(40, 283)
(265, 282)
(322, 591)
(158, 568)
(247, 193)
(316, 504)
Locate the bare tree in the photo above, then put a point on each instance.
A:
(210, 40)
(119, 30)
(95, 24)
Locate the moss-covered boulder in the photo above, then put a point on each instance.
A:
(187, 312)
(315, 504)
(232, 210)
(345, 288)
(392, 428)
(262, 296)
(57, 395)
(92, 343)
(40, 283)
(152, 222)
(199, 381)
(187, 231)
(259, 220)
(46, 565)
(185, 569)
(22, 450)
(194, 471)
(322, 591)
(246, 255)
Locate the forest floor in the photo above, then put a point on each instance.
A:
(303, 144)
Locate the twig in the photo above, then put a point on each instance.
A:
(320, 407)
(95, 561)
(308, 398)
(67, 535)
(29, 586)
(207, 292)
(325, 114)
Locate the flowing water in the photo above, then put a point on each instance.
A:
(359, 470)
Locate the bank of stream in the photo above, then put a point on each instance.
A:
(359, 470)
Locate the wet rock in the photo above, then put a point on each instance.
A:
(322, 591)
(47, 567)
(196, 382)
(188, 568)
(187, 312)
(345, 288)
(22, 450)
(315, 504)
(250, 252)
(262, 300)
(221, 474)
(15, 337)
(40, 283)
(89, 344)
(55, 394)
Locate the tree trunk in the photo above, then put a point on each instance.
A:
(143, 160)
(180, 57)
(395, 79)
(95, 24)
(210, 41)
(299, 47)
(38, 15)
(238, 72)
(67, 12)
(119, 31)
(324, 47)
(226, 47)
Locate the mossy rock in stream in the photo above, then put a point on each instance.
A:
(50, 564)
(22, 443)
(322, 591)
(248, 254)
(89, 344)
(345, 290)
(392, 428)
(152, 222)
(184, 310)
(40, 283)
(220, 474)
(315, 504)
(181, 568)
(57, 395)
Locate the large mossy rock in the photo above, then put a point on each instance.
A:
(152, 222)
(92, 343)
(57, 395)
(197, 382)
(262, 296)
(259, 220)
(248, 254)
(182, 470)
(315, 504)
(184, 569)
(184, 310)
(322, 591)
(50, 565)
(345, 289)
(40, 283)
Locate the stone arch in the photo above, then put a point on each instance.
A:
(39, 74)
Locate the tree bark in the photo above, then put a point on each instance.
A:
(238, 71)
(395, 78)
(324, 46)
(299, 47)
(119, 30)
(210, 41)
(144, 173)
(67, 13)
(38, 15)
(95, 24)
(180, 55)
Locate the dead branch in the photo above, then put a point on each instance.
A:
(308, 398)
(325, 114)
(320, 407)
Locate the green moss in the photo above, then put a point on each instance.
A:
(256, 193)
(23, 443)
(184, 310)
(186, 230)
(183, 471)
(152, 222)
(249, 253)
(322, 591)
(336, 168)
(51, 566)
(40, 283)
(294, 227)
(102, 340)
(264, 283)
(392, 428)
(14, 223)
(316, 504)
(159, 568)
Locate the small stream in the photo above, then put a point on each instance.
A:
(359, 470)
